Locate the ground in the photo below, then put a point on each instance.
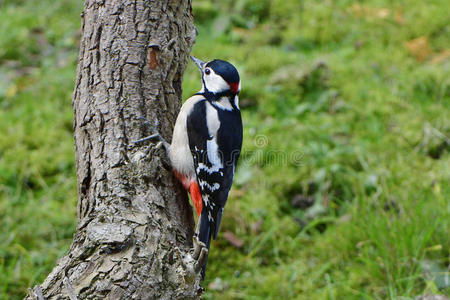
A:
(342, 187)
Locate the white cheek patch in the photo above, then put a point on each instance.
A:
(215, 83)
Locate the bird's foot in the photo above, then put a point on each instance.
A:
(191, 263)
(200, 254)
(177, 253)
(156, 136)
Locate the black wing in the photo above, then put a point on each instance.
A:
(214, 179)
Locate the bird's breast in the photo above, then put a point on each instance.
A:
(180, 154)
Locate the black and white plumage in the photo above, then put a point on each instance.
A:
(206, 144)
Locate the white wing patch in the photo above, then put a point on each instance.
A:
(206, 200)
(212, 119)
(212, 149)
(212, 188)
(213, 169)
(213, 153)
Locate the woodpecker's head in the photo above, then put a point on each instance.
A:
(218, 76)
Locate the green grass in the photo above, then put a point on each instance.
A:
(336, 108)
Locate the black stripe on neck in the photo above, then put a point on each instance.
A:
(213, 97)
(216, 96)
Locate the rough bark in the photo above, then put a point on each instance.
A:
(132, 214)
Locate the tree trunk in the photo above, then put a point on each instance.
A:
(132, 214)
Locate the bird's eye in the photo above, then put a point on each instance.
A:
(207, 71)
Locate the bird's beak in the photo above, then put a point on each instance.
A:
(200, 64)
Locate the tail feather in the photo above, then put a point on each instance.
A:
(219, 219)
(204, 235)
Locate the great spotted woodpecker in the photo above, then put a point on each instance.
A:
(206, 143)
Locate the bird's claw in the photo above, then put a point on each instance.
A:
(200, 254)
(190, 264)
(176, 252)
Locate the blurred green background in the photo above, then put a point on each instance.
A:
(342, 191)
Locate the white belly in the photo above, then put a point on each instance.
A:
(180, 153)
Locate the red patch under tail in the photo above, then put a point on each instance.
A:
(196, 197)
(183, 179)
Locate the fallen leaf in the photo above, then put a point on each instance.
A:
(382, 13)
(364, 11)
(233, 239)
(357, 10)
(419, 48)
(398, 17)
(440, 57)
(236, 193)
